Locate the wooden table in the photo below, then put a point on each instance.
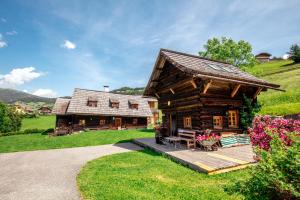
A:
(173, 139)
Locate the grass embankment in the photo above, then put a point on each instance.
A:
(39, 142)
(42, 122)
(148, 175)
(287, 75)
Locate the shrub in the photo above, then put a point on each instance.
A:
(47, 131)
(278, 127)
(10, 120)
(27, 131)
(248, 111)
(277, 175)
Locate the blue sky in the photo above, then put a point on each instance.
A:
(50, 47)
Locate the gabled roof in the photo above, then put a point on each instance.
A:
(78, 104)
(60, 107)
(197, 66)
(263, 54)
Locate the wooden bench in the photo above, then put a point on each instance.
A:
(189, 136)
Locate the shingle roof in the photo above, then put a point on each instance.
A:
(60, 106)
(78, 104)
(199, 66)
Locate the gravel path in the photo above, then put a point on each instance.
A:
(49, 174)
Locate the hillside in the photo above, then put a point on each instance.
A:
(11, 96)
(129, 90)
(286, 74)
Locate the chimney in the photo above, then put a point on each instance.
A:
(106, 88)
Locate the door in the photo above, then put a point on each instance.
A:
(173, 124)
(118, 122)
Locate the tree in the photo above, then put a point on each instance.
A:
(294, 53)
(10, 120)
(227, 50)
(248, 111)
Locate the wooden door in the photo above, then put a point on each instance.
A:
(118, 122)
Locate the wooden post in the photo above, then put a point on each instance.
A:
(257, 92)
(173, 92)
(206, 87)
(193, 84)
(157, 95)
(236, 88)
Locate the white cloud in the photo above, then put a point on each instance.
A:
(13, 32)
(3, 44)
(68, 44)
(3, 20)
(285, 56)
(19, 76)
(45, 93)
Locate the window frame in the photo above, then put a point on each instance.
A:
(82, 122)
(187, 122)
(217, 118)
(233, 118)
(101, 122)
(135, 121)
(92, 104)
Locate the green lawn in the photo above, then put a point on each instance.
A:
(38, 141)
(42, 122)
(148, 175)
(276, 102)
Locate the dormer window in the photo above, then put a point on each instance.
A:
(92, 102)
(114, 103)
(133, 104)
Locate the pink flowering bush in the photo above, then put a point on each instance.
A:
(264, 128)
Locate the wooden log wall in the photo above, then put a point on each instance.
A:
(188, 100)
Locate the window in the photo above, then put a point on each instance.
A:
(102, 122)
(187, 122)
(151, 104)
(233, 119)
(82, 122)
(135, 121)
(92, 103)
(115, 105)
(218, 122)
(134, 106)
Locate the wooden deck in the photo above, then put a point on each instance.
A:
(211, 162)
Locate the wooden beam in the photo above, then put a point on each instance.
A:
(180, 83)
(236, 88)
(207, 85)
(257, 92)
(162, 63)
(157, 95)
(193, 84)
(173, 92)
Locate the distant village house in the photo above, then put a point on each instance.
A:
(91, 109)
(44, 110)
(263, 57)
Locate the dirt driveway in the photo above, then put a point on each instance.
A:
(49, 174)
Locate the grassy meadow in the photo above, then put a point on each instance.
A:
(38, 141)
(286, 74)
(148, 175)
(41, 122)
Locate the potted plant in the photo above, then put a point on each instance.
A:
(208, 140)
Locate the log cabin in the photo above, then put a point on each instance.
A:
(198, 93)
(96, 110)
(263, 57)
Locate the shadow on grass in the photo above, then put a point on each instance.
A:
(147, 130)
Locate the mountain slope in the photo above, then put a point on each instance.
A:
(129, 90)
(287, 75)
(11, 96)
